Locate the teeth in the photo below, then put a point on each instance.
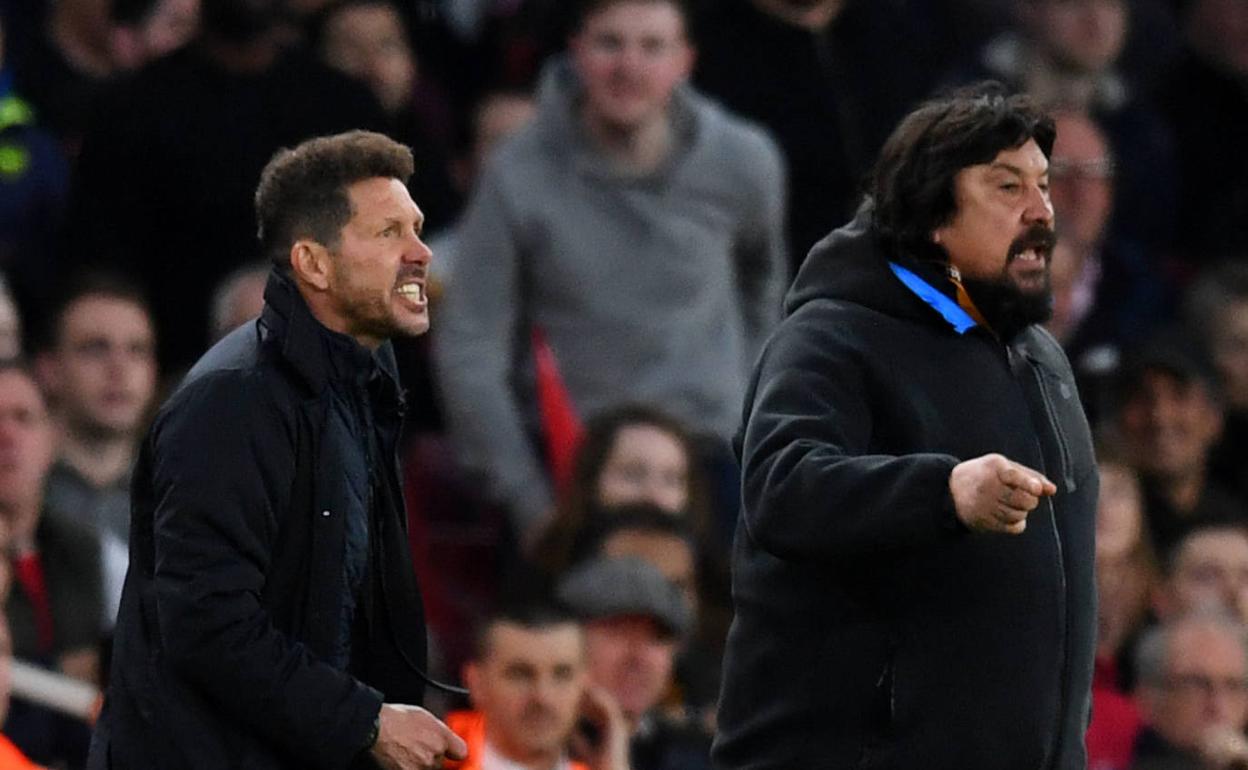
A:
(414, 290)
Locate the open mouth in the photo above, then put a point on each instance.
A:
(1033, 248)
(414, 291)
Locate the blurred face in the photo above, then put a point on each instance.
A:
(1082, 35)
(1119, 512)
(1204, 686)
(1081, 173)
(377, 284)
(1219, 28)
(369, 43)
(1001, 234)
(529, 688)
(170, 26)
(26, 440)
(10, 328)
(244, 302)
(630, 57)
(103, 371)
(632, 658)
(1229, 344)
(669, 554)
(1169, 425)
(645, 464)
(497, 118)
(1210, 573)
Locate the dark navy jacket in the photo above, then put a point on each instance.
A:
(230, 644)
(872, 630)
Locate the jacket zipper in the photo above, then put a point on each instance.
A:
(1069, 483)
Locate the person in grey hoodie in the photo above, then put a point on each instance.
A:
(638, 226)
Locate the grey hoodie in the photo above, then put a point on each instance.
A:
(658, 289)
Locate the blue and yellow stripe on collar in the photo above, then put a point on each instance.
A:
(951, 311)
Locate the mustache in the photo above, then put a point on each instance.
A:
(418, 272)
(1040, 237)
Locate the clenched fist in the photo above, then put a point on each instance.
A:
(413, 739)
(995, 494)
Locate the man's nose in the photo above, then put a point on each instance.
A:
(1039, 208)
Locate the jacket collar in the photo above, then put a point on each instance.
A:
(942, 303)
(318, 354)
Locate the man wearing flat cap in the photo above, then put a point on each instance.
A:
(635, 621)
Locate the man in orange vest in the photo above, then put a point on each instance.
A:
(533, 701)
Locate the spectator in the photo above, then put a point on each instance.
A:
(239, 298)
(368, 40)
(629, 454)
(634, 621)
(529, 686)
(66, 68)
(167, 174)
(144, 30)
(55, 607)
(1207, 572)
(1170, 415)
(1207, 103)
(1125, 578)
(99, 371)
(10, 324)
(1216, 308)
(632, 211)
(837, 59)
(1114, 294)
(1066, 53)
(647, 532)
(1194, 695)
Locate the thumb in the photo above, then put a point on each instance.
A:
(456, 748)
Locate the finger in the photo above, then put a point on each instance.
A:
(1021, 477)
(1016, 528)
(456, 748)
(1008, 515)
(1020, 499)
(1049, 488)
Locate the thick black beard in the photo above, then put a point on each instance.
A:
(1007, 308)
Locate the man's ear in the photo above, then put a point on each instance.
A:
(310, 263)
(471, 673)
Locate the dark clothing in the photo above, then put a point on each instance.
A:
(661, 744)
(1167, 525)
(280, 443)
(63, 96)
(844, 90)
(1208, 108)
(167, 176)
(872, 629)
(1152, 752)
(69, 555)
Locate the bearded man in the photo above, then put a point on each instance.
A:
(912, 571)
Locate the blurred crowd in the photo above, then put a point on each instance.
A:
(617, 193)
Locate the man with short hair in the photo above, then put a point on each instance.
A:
(1193, 693)
(271, 617)
(635, 621)
(99, 370)
(634, 224)
(529, 685)
(1170, 414)
(912, 571)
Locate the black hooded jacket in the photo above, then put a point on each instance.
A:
(872, 630)
(252, 487)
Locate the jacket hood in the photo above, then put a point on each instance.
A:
(852, 264)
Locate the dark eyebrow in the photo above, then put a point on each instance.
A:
(999, 166)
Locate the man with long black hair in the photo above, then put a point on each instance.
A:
(913, 565)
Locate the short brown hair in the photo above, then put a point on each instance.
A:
(303, 191)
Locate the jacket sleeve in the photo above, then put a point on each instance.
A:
(762, 259)
(811, 489)
(222, 460)
(478, 332)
